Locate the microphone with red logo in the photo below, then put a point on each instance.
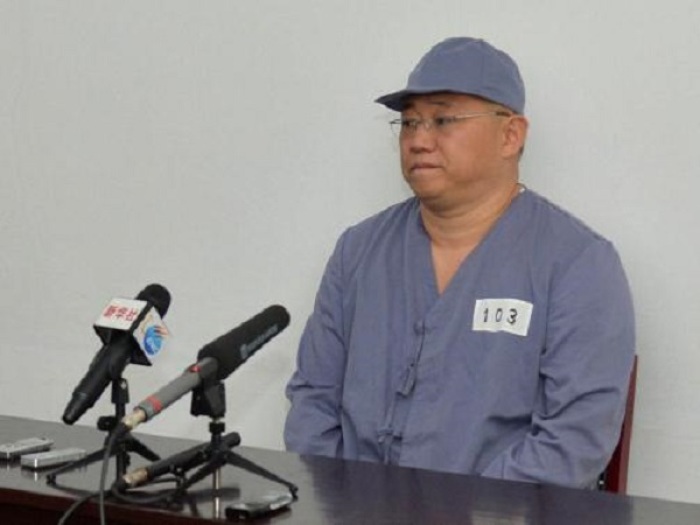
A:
(131, 331)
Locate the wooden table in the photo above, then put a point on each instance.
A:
(330, 492)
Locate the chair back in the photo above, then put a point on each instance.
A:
(614, 478)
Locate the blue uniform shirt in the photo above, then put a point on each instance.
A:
(518, 370)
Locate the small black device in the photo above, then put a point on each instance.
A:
(269, 503)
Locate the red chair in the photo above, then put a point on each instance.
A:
(614, 478)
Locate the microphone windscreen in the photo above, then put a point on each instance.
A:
(235, 347)
(156, 295)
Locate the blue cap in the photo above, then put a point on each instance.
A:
(464, 65)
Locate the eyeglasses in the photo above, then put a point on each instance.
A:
(406, 127)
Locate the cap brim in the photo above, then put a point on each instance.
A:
(396, 100)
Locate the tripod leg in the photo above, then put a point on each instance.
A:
(214, 463)
(239, 461)
(140, 448)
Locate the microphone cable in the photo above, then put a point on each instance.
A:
(133, 498)
(151, 498)
(100, 493)
(75, 506)
(103, 474)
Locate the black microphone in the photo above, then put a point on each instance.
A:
(119, 349)
(180, 462)
(216, 360)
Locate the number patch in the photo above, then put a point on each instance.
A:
(502, 315)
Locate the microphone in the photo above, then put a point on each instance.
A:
(180, 462)
(215, 361)
(119, 347)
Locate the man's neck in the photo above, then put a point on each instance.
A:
(464, 226)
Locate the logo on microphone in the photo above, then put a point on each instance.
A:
(120, 314)
(153, 340)
(151, 334)
(248, 349)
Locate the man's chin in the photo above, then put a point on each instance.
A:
(432, 200)
(425, 189)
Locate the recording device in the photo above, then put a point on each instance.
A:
(129, 334)
(24, 446)
(52, 458)
(269, 503)
(215, 361)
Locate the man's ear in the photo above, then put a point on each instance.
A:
(514, 135)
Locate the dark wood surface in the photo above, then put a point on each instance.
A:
(330, 492)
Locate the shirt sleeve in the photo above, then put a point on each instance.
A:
(584, 373)
(313, 423)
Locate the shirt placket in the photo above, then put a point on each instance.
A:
(390, 435)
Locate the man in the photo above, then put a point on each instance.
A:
(475, 328)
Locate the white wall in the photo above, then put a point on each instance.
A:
(220, 147)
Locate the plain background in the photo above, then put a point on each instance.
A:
(221, 147)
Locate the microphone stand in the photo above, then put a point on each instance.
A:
(122, 448)
(210, 400)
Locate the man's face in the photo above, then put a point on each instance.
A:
(449, 161)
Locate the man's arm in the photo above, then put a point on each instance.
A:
(584, 373)
(315, 389)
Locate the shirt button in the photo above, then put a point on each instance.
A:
(419, 327)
